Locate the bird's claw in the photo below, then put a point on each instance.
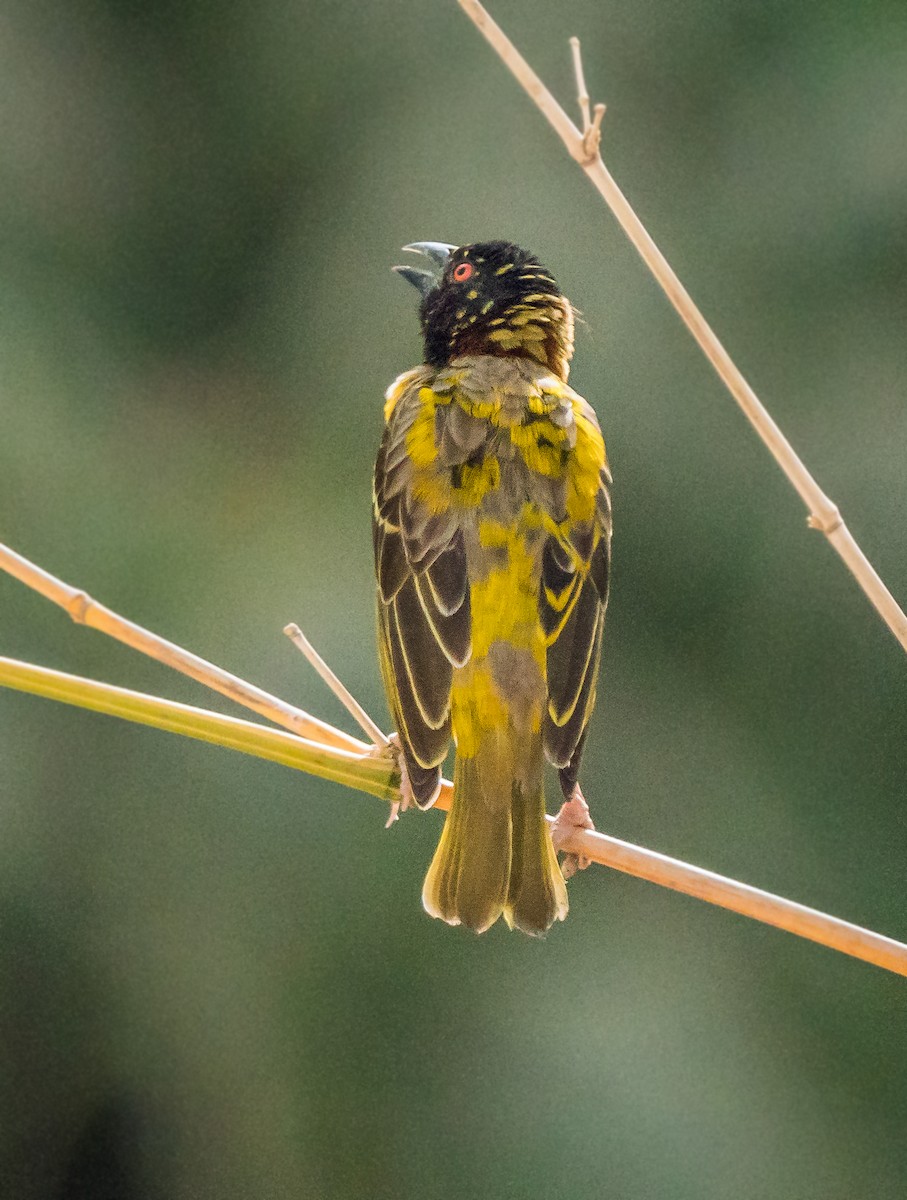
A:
(406, 792)
(574, 814)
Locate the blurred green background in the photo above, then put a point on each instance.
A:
(216, 976)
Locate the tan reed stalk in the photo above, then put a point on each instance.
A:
(583, 145)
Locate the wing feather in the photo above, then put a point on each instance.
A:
(572, 600)
(447, 577)
(427, 744)
(427, 667)
(564, 741)
(570, 655)
(390, 561)
(424, 615)
(452, 630)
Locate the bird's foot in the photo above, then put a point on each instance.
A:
(574, 815)
(407, 800)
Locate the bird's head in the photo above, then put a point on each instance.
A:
(490, 298)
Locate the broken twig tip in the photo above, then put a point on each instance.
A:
(343, 694)
(582, 146)
(582, 92)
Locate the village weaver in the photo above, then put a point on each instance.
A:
(492, 529)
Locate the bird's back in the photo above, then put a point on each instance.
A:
(492, 533)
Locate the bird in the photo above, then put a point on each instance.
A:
(492, 542)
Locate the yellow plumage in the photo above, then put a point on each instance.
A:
(492, 535)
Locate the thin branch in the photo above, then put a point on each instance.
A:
(592, 126)
(375, 775)
(85, 611)
(340, 690)
(582, 92)
(362, 768)
(742, 898)
(823, 513)
(365, 772)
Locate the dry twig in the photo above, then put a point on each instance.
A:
(85, 611)
(583, 146)
(345, 760)
(340, 690)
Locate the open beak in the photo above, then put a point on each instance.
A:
(424, 281)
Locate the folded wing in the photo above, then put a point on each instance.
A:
(423, 609)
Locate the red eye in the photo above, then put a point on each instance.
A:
(463, 271)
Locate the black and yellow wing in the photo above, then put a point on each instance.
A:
(572, 601)
(423, 599)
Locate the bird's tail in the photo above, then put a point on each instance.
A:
(496, 857)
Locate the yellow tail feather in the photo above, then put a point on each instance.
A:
(495, 857)
(537, 895)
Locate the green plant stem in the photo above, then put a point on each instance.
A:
(372, 773)
(367, 774)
